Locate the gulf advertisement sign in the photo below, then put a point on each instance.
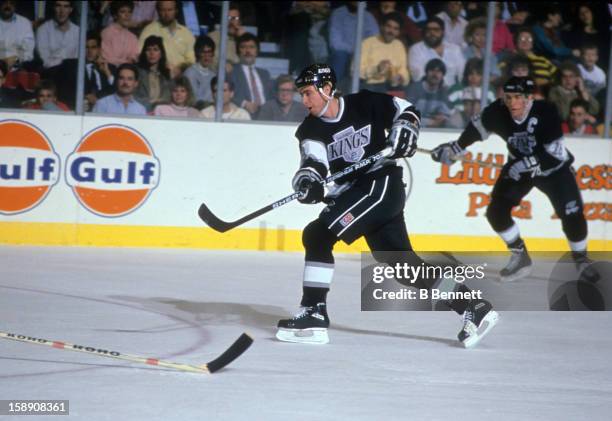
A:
(29, 167)
(112, 170)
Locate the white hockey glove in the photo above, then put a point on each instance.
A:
(308, 182)
(403, 138)
(446, 153)
(528, 165)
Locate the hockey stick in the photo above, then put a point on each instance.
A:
(467, 161)
(234, 351)
(217, 224)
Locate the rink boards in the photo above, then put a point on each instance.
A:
(111, 181)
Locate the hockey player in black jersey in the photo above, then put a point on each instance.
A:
(338, 132)
(537, 157)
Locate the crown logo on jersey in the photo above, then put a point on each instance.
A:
(349, 144)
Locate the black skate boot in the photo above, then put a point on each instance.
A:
(308, 326)
(478, 319)
(518, 267)
(584, 268)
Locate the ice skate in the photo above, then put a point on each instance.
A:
(519, 266)
(583, 266)
(309, 325)
(478, 319)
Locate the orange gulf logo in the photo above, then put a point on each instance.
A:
(112, 171)
(29, 167)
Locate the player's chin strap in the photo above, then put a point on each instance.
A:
(327, 98)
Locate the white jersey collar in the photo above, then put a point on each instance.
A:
(340, 112)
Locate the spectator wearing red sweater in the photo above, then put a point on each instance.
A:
(577, 122)
(46, 98)
(502, 37)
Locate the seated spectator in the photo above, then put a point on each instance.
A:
(234, 31)
(502, 37)
(548, 37)
(571, 87)
(178, 40)
(383, 57)
(181, 100)
(153, 74)
(230, 110)
(16, 36)
(283, 107)
(144, 13)
(122, 102)
(434, 46)
(99, 75)
(430, 96)
(46, 98)
(253, 84)
(342, 34)
(594, 77)
(305, 30)
(454, 23)
(119, 44)
(577, 121)
(410, 31)
(585, 31)
(476, 39)
(465, 97)
(520, 66)
(544, 71)
(8, 97)
(201, 73)
(58, 38)
(519, 15)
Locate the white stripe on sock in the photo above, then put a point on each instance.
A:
(511, 234)
(578, 245)
(318, 273)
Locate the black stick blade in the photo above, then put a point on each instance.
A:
(209, 218)
(237, 349)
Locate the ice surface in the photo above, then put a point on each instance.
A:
(189, 305)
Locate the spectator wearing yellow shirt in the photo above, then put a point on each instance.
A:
(384, 63)
(178, 39)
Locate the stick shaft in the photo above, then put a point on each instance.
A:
(104, 353)
(217, 224)
(466, 160)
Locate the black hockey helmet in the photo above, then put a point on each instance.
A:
(520, 85)
(318, 75)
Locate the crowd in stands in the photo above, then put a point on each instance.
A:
(161, 57)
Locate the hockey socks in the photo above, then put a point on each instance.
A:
(311, 296)
(520, 265)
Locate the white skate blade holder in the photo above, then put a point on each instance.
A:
(304, 336)
(487, 323)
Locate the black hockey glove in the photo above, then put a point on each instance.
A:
(446, 152)
(403, 138)
(308, 182)
(529, 165)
